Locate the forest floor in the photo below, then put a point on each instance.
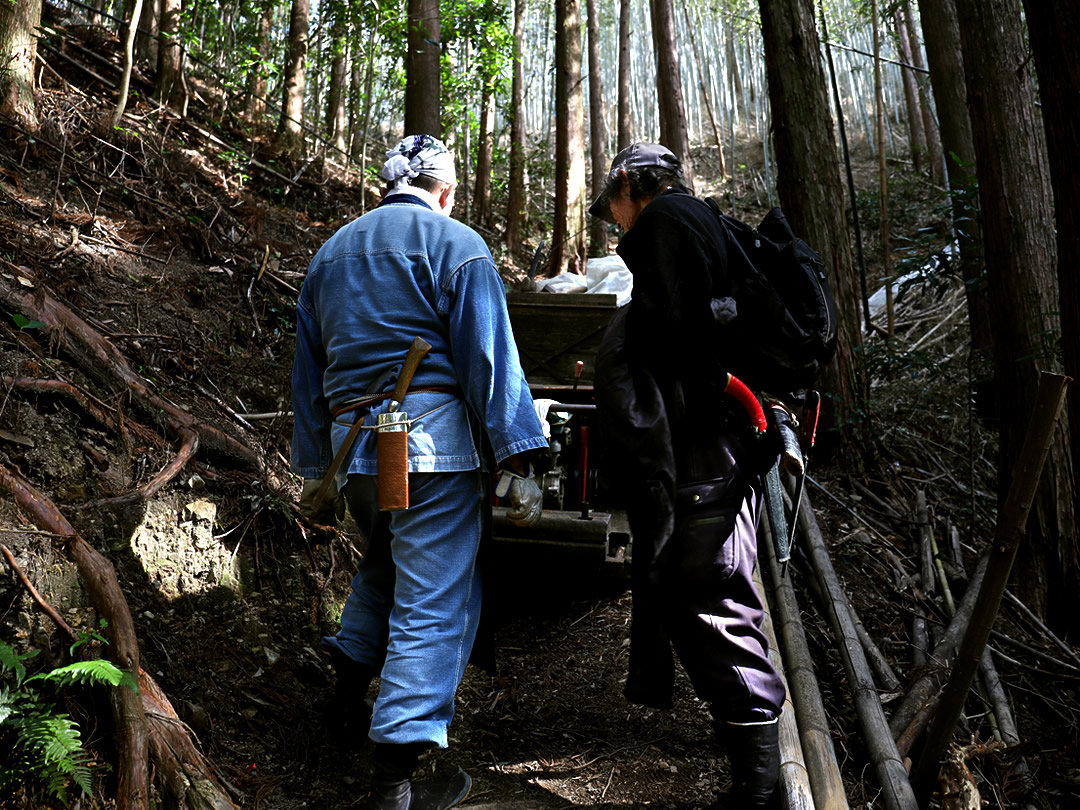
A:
(183, 242)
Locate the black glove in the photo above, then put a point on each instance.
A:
(524, 495)
(330, 511)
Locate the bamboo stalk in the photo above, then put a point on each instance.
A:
(892, 775)
(922, 690)
(796, 792)
(819, 755)
(991, 689)
(879, 664)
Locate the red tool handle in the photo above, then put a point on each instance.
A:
(736, 388)
(811, 415)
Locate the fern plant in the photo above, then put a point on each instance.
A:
(39, 739)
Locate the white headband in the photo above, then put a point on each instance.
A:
(419, 154)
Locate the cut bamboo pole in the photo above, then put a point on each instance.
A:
(922, 690)
(796, 793)
(991, 689)
(819, 755)
(879, 664)
(892, 775)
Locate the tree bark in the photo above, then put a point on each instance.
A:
(485, 146)
(18, 51)
(170, 79)
(809, 186)
(941, 32)
(146, 37)
(290, 132)
(625, 127)
(917, 133)
(1021, 265)
(422, 69)
(256, 103)
(336, 95)
(568, 233)
(1053, 28)
(669, 94)
(598, 229)
(515, 198)
(883, 177)
(930, 127)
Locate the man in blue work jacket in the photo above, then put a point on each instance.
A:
(401, 271)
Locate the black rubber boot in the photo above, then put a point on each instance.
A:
(348, 714)
(754, 753)
(391, 786)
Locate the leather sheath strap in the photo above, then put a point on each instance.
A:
(369, 399)
(354, 431)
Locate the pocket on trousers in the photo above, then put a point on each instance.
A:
(705, 517)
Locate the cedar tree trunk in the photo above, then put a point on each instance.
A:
(1021, 264)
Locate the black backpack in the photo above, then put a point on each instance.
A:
(785, 329)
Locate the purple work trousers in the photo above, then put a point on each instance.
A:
(699, 597)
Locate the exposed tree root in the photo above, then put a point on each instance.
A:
(97, 411)
(167, 474)
(147, 729)
(100, 359)
(183, 770)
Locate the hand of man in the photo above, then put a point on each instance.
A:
(524, 496)
(330, 511)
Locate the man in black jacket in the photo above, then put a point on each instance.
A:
(693, 470)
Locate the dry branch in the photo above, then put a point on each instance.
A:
(1049, 400)
(46, 608)
(1046, 631)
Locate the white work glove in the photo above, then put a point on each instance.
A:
(330, 511)
(524, 496)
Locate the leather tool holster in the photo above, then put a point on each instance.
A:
(392, 445)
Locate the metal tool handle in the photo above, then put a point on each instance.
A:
(792, 455)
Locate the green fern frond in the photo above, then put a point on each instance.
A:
(11, 660)
(39, 741)
(54, 747)
(98, 672)
(56, 783)
(52, 737)
(9, 704)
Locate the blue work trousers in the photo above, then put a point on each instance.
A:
(415, 602)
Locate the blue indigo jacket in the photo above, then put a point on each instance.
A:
(398, 272)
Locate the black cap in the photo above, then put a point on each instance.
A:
(636, 156)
